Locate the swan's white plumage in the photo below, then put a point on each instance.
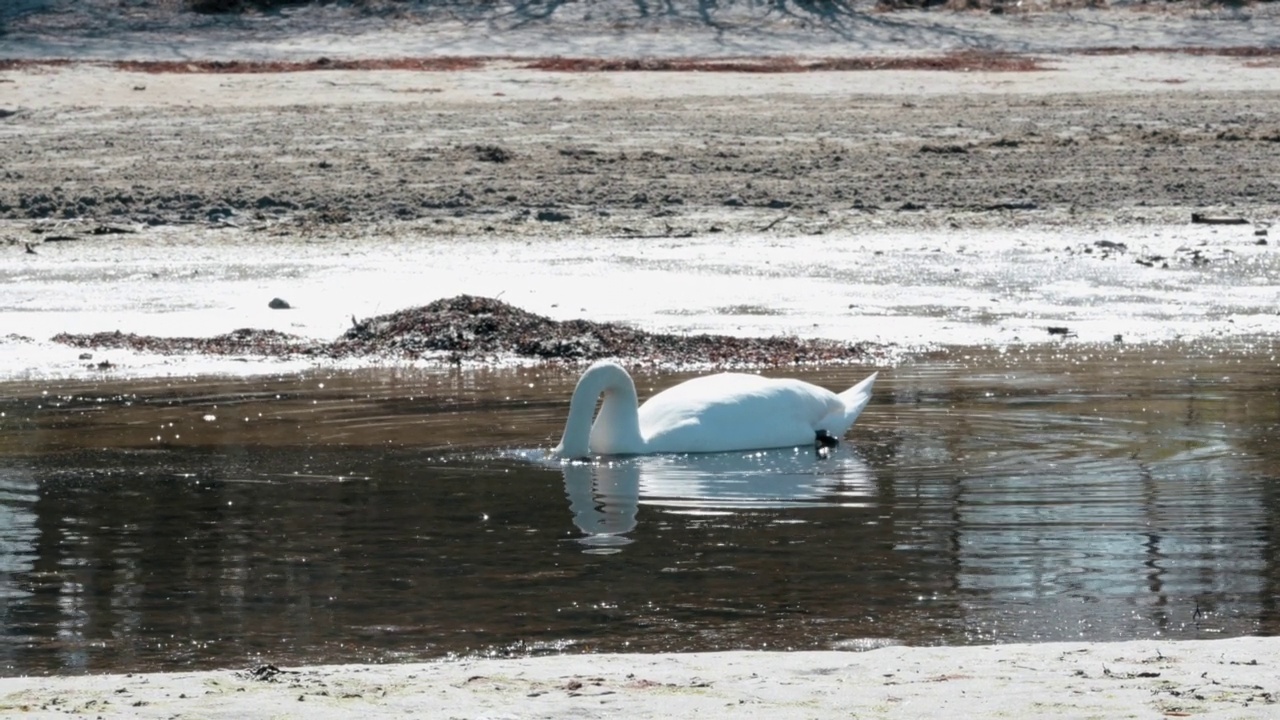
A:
(715, 413)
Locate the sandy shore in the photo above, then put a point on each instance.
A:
(1204, 679)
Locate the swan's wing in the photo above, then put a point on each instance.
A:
(734, 411)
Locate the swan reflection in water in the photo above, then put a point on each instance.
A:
(605, 495)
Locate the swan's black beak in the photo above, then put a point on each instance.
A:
(823, 441)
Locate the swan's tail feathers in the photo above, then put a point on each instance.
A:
(855, 400)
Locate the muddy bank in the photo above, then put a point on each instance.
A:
(662, 168)
(475, 329)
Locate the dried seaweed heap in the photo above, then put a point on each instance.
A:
(474, 328)
(484, 329)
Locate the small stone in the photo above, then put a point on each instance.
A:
(279, 304)
(552, 216)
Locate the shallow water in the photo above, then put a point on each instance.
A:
(1082, 492)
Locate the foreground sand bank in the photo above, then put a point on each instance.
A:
(1234, 678)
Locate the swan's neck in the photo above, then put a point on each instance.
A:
(616, 430)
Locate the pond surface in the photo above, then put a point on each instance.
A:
(1081, 492)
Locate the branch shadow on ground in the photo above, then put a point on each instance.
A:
(854, 23)
(724, 27)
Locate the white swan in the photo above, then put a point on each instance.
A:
(715, 413)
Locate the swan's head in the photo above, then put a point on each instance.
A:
(571, 451)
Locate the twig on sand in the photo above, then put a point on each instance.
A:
(1202, 219)
(772, 224)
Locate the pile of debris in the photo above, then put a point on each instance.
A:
(468, 328)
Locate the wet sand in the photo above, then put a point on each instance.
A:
(1217, 679)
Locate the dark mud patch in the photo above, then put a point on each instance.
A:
(960, 61)
(477, 329)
